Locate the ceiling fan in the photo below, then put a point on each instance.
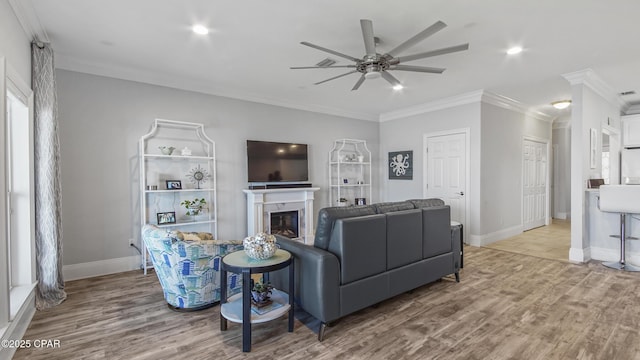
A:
(373, 65)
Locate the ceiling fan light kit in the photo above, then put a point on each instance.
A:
(373, 65)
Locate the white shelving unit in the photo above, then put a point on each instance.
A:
(349, 172)
(157, 168)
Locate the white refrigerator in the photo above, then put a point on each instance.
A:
(630, 166)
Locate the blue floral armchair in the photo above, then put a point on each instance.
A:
(188, 266)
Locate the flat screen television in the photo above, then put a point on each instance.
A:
(274, 162)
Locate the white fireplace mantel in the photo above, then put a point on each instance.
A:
(262, 201)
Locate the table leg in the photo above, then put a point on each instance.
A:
(291, 293)
(246, 310)
(223, 298)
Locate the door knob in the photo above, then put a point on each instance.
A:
(461, 193)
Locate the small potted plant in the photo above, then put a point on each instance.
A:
(195, 207)
(260, 294)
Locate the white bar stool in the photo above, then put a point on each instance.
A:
(623, 199)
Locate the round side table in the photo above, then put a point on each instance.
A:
(238, 307)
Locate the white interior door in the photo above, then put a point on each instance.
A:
(534, 182)
(446, 164)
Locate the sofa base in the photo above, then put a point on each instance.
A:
(197, 308)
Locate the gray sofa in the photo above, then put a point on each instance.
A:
(366, 254)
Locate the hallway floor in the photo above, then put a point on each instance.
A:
(547, 242)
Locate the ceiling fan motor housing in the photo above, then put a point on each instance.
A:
(371, 66)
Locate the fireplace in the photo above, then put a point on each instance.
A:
(285, 223)
(261, 203)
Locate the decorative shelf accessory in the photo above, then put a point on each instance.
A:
(195, 207)
(198, 175)
(166, 150)
(261, 246)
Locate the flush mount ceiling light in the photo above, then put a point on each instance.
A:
(398, 87)
(514, 50)
(562, 104)
(200, 29)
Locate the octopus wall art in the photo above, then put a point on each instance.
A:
(401, 165)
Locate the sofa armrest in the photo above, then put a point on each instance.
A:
(317, 279)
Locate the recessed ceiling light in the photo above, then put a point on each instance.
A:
(514, 50)
(200, 29)
(398, 87)
(562, 104)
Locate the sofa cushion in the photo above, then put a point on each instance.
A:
(423, 203)
(404, 237)
(383, 208)
(328, 216)
(360, 243)
(436, 231)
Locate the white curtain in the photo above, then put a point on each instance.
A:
(50, 291)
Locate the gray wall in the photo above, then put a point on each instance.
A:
(503, 132)
(408, 134)
(562, 171)
(101, 121)
(495, 191)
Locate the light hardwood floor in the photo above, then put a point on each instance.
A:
(507, 306)
(548, 242)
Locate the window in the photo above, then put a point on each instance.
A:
(17, 244)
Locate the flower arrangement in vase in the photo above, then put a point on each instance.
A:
(260, 294)
(195, 207)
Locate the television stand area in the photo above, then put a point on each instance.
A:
(279, 186)
(264, 204)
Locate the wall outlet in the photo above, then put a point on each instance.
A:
(132, 242)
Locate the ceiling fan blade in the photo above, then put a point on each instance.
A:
(322, 67)
(418, 37)
(367, 34)
(359, 82)
(329, 51)
(432, 53)
(335, 77)
(392, 80)
(425, 69)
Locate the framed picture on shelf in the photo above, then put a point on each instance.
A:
(165, 218)
(173, 184)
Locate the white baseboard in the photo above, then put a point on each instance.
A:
(486, 239)
(560, 216)
(102, 267)
(604, 254)
(579, 255)
(18, 326)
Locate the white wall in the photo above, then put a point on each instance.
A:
(15, 44)
(101, 121)
(15, 48)
(592, 106)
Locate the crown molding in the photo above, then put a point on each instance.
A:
(632, 109)
(462, 99)
(28, 18)
(590, 79)
(561, 123)
(513, 105)
(140, 75)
